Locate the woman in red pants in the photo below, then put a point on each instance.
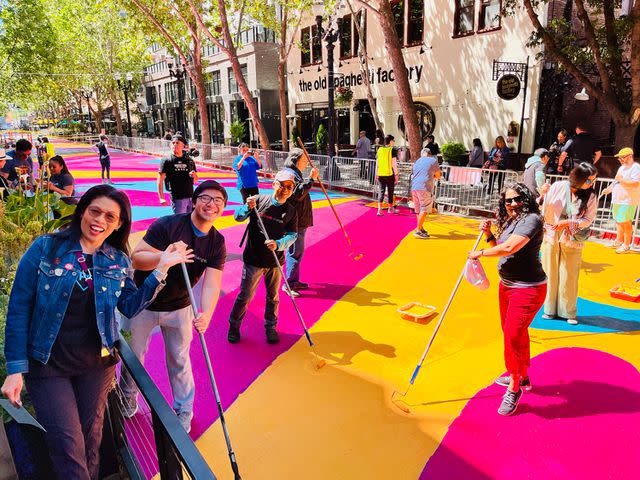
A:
(523, 283)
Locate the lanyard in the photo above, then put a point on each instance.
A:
(85, 269)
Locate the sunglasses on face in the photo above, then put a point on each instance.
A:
(514, 200)
(207, 199)
(286, 188)
(96, 212)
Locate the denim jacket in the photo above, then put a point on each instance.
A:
(41, 292)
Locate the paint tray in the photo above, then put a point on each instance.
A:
(626, 291)
(416, 311)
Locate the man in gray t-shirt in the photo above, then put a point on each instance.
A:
(363, 150)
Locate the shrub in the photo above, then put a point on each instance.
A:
(238, 130)
(322, 138)
(451, 151)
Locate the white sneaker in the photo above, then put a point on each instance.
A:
(615, 244)
(572, 321)
(380, 213)
(623, 249)
(185, 420)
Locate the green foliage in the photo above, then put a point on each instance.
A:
(295, 133)
(322, 138)
(452, 150)
(238, 130)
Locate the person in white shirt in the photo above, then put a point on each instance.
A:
(626, 198)
(568, 211)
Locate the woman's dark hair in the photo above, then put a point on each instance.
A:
(477, 142)
(60, 161)
(295, 154)
(580, 173)
(528, 205)
(119, 238)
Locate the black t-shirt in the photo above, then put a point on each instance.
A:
(210, 252)
(523, 266)
(177, 170)
(583, 148)
(102, 149)
(62, 180)
(278, 220)
(77, 348)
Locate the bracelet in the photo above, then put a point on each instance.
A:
(161, 276)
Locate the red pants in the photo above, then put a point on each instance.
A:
(518, 306)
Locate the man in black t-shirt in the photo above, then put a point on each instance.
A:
(280, 221)
(171, 310)
(179, 170)
(584, 147)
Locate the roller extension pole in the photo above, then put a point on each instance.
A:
(205, 351)
(352, 254)
(399, 402)
(319, 361)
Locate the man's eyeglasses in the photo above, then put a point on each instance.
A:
(207, 199)
(513, 200)
(286, 188)
(96, 212)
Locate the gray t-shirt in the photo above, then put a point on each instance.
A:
(363, 147)
(523, 267)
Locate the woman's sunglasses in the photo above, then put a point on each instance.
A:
(513, 200)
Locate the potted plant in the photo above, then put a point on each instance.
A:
(454, 153)
(343, 96)
(238, 130)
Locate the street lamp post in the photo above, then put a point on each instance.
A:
(330, 36)
(125, 86)
(179, 73)
(87, 95)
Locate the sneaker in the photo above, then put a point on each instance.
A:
(129, 405)
(546, 316)
(299, 285)
(623, 249)
(525, 383)
(380, 213)
(420, 234)
(509, 402)
(615, 244)
(292, 293)
(234, 334)
(272, 335)
(185, 420)
(572, 321)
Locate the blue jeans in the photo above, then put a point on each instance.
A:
(250, 278)
(294, 257)
(181, 205)
(177, 332)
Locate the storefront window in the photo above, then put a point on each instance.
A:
(416, 22)
(345, 37)
(316, 51)
(305, 46)
(464, 18)
(489, 18)
(397, 6)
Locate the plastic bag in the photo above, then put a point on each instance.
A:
(474, 273)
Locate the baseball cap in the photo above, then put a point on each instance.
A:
(541, 152)
(624, 152)
(285, 175)
(209, 185)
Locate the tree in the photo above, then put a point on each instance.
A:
(384, 15)
(600, 49)
(216, 13)
(358, 21)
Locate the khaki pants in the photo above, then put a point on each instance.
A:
(562, 266)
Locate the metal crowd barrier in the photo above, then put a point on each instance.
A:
(460, 189)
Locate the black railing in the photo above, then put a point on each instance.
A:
(170, 453)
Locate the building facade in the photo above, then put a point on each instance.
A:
(449, 50)
(258, 55)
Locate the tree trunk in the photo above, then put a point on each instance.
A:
(282, 66)
(232, 54)
(202, 104)
(116, 113)
(403, 89)
(625, 135)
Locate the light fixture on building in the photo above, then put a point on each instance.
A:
(319, 69)
(340, 64)
(582, 95)
(300, 72)
(421, 50)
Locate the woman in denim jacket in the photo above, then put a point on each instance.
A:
(62, 324)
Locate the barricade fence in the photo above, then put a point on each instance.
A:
(464, 190)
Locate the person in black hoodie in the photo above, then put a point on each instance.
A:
(297, 163)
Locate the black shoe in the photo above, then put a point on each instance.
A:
(272, 335)
(300, 286)
(234, 334)
(505, 381)
(509, 402)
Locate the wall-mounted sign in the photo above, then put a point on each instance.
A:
(508, 87)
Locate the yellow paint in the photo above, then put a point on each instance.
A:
(339, 423)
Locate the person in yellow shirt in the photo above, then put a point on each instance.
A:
(387, 173)
(49, 150)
